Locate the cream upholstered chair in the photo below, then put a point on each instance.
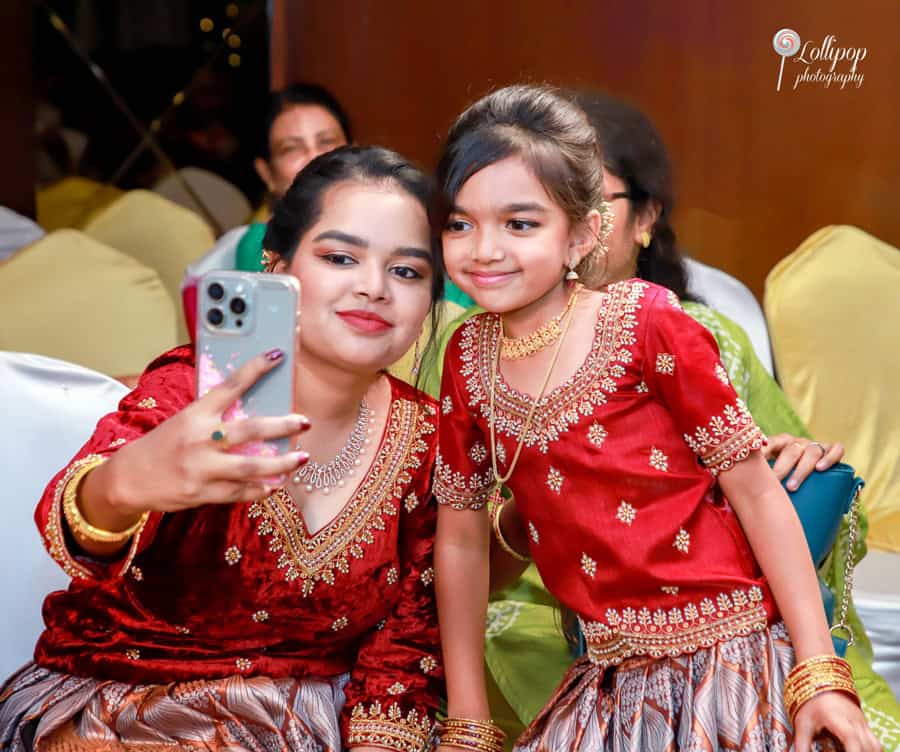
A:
(156, 232)
(69, 297)
(833, 307)
(50, 408)
(226, 203)
(834, 315)
(72, 201)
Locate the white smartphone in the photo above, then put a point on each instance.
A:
(241, 315)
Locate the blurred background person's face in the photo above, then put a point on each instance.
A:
(298, 135)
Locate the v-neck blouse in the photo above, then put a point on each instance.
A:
(617, 475)
(245, 589)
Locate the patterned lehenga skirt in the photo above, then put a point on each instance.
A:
(727, 697)
(47, 711)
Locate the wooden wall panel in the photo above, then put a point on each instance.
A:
(757, 170)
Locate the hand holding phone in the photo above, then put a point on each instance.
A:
(239, 316)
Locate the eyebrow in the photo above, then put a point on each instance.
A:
(342, 237)
(414, 252)
(522, 206)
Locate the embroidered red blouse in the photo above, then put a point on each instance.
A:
(617, 478)
(243, 588)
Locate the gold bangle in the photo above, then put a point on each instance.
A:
(815, 676)
(80, 526)
(495, 523)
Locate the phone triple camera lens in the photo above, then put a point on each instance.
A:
(238, 305)
(216, 291)
(215, 316)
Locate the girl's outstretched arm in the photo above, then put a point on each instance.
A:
(462, 558)
(776, 537)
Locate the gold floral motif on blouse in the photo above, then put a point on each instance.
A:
(625, 513)
(459, 491)
(389, 728)
(555, 480)
(682, 541)
(319, 557)
(579, 395)
(588, 565)
(726, 439)
(659, 460)
(597, 434)
(427, 664)
(148, 403)
(675, 631)
(665, 364)
(478, 453)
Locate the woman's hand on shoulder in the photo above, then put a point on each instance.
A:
(798, 457)
(838, 715)
(184, 462)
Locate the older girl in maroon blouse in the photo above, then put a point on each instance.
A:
(210, 611)
(650, 509)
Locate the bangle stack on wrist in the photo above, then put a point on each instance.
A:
(467, 733)
(821, 673)
(496, 511)
(79, 526)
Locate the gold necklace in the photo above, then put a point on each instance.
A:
(516, 348)
(499, 480)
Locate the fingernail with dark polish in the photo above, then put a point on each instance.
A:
(276, 353)
(302, 457)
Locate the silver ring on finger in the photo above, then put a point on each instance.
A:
(821, 447)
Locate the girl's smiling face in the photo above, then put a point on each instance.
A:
(365, 271)
(506, 242)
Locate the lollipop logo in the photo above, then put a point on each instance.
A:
(821, 60)
(786, 43)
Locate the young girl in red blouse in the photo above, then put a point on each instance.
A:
(651, 512)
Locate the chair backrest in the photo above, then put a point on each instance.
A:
(224, 200)
(72, 201)
(49, 410)
(156, 232)
(68, 296)
(728, 295)
(833, 307)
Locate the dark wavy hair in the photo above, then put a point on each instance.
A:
(633, 151)
(296, 95)
(301, 206)
(548, 131)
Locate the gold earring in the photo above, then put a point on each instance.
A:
(270, 260)
(571, 275)
(417, 358)
(645, 239)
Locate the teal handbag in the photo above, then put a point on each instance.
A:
(821, 503)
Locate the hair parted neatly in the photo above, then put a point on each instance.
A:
(301, 206)
(552, 135)
(298, 95)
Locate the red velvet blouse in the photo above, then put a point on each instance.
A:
(244, 588)
(617, 478)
